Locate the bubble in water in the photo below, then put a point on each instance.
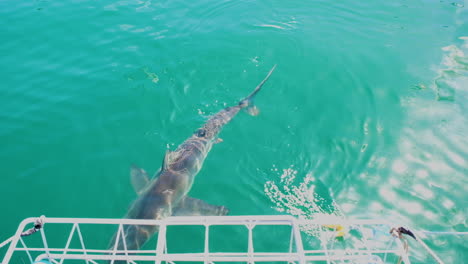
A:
(399, 167)
(305, 200)
(422, 174)
(448, 204)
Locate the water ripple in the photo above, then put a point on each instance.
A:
(346, 128)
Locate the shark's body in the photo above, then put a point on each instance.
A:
(166, 194)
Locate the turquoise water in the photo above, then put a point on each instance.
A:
(364, 117)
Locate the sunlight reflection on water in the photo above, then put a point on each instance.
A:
(427, 182)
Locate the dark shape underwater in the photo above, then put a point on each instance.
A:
(166, 194)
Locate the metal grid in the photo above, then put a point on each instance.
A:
(371, 243)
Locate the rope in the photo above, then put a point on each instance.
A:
(400, 231)
(38, 224)
(434, 256)
(444, 233)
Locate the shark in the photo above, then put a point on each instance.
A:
(166, 194)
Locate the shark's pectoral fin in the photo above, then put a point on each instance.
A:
(196, 207)
(139, 179)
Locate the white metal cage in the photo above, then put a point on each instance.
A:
(222, 239)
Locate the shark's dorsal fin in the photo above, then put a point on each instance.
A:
(139, 179)
(166, 160)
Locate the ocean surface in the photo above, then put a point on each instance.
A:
(366, 115)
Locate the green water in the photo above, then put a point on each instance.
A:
(367, 107)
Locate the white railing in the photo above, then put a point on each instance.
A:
(364, 241)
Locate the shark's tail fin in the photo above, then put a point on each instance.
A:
(247, 102)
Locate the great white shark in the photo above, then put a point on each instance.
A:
(166, 194)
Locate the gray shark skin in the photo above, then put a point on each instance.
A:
(166, 194)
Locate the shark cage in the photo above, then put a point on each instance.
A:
(216, 240)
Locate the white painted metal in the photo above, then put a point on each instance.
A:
(298, 253)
